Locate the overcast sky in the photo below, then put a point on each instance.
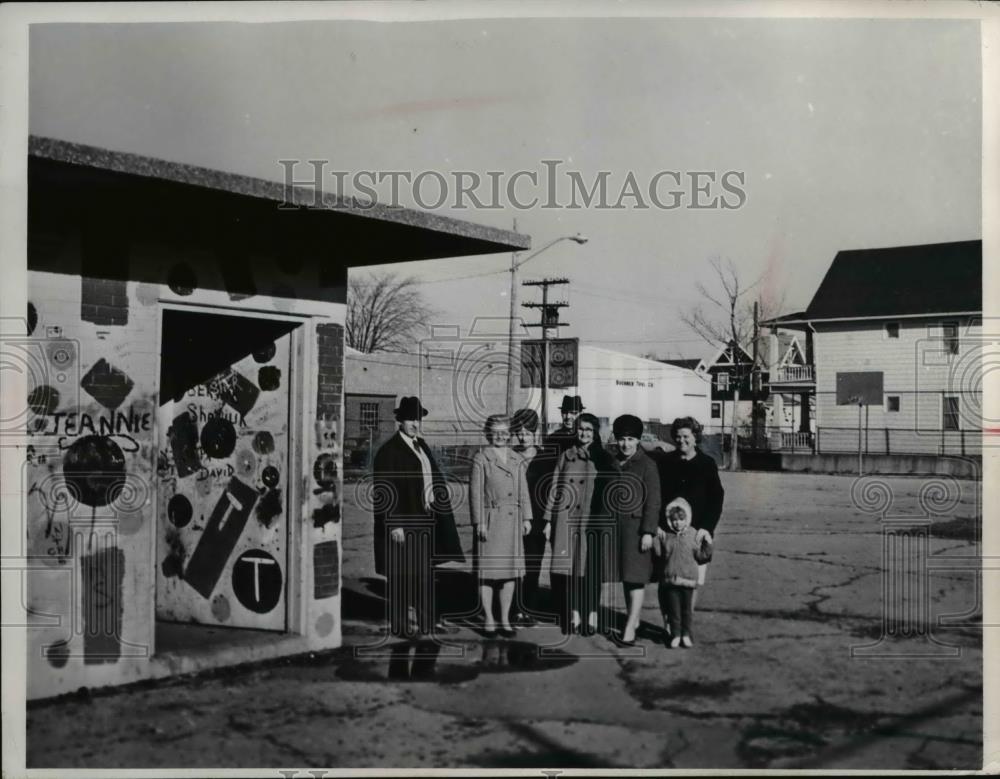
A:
(851, 133)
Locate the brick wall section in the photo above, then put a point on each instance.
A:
(326, 570)
(104, 268)
(330, 341)
(103, 301)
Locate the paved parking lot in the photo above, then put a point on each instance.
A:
(796, 584)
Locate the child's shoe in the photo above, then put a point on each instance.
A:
(687, 642)
(675, 642)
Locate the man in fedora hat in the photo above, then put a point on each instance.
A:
(414, 525)
(562, 439)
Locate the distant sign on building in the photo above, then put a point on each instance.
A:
(563, 363)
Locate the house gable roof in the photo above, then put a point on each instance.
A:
(725, 356)
(901, 280)
(788, 344)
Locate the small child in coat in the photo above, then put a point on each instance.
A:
(682, 554)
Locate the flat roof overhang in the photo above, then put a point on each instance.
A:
(73, 185)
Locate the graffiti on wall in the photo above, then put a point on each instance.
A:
(325, 497)
(103, 575)
(80, 454)
(219, 538)
(222, 467)
(90, 429)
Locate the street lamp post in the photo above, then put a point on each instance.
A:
(515, 264)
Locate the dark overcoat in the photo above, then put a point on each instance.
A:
(636, 507)
(398, 501)
(558, 441)
(582, 531)
(697, 481)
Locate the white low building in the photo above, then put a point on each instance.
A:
(614, 383)
(464, 381)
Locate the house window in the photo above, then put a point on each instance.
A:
(892, 329)
(722, 381)
(949, 412)
(716, 410)
(369, 417)
(892, 402)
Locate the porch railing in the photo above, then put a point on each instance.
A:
(794, 373)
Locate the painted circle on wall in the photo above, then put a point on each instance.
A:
(325, 471)
(269, 378)
(246, 463)
(43, 399)
(324, 625)
(257, 581)
(179, 510)
(94, 469)
(58, 654)
(182, 279)
(62, 354)
(270, 476)
(218, 438)
(263, 442)
(221, 609)
(265, 353)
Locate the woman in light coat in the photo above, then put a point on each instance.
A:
(500, 508)
(581, 525)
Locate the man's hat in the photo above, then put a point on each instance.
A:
(410, 408)
(573, 403)
(627, 425)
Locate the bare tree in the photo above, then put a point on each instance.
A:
(726, 316)
(385, 312)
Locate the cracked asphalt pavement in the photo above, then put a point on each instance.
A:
(792, 667)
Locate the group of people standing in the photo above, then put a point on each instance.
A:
(602, 516)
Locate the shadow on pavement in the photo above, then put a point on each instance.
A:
(424, 661)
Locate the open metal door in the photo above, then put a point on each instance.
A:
(223, 462)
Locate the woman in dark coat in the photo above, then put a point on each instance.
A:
(636, 506)
(689, 473)
(581, 525)
(538, 473)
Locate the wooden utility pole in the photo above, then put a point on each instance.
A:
(755, 382)
(550, 318)
(512, 350)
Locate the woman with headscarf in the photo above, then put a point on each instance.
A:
(635, 502)
(581, 526)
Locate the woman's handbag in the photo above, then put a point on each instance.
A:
(703, 554)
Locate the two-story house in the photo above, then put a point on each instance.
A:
(731, 367)
(911, 318)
